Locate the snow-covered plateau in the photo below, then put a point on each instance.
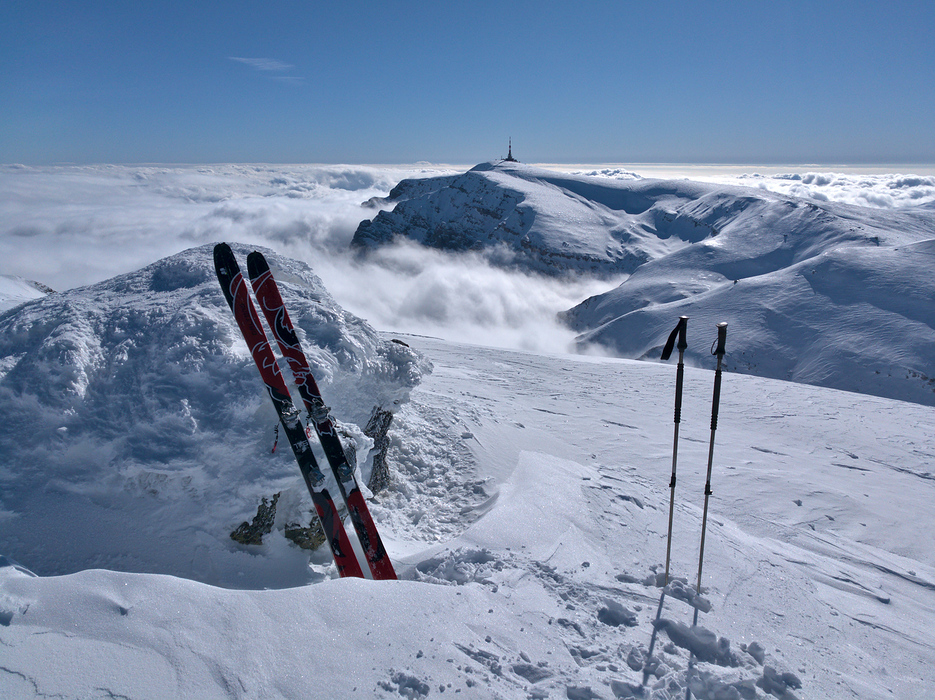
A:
(527, 505)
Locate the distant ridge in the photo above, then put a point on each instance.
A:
(816, 292)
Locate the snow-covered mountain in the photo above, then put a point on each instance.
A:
(804, 301)
(520, 215)
(15, 290)
(136, 434)
(817, 292)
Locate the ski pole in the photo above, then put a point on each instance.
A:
(679, 331)
(719, 352)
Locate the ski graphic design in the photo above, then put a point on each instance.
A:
(238, 298)
(273, 308)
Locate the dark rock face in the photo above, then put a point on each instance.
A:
(377, 427)
(262, 524)
(311, 537)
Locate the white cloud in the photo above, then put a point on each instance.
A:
(406, 287)
(265, 64)
(882, 191)
(67, 227)
(861, 187)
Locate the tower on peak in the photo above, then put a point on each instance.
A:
(509, 156)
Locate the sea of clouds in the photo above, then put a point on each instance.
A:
(69, 226)
(72, 226)
(858, 186)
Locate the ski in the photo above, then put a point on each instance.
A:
(238, 298)
(273, 308)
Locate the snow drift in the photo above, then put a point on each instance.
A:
(136, 432)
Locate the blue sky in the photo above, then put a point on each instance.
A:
(400, 82)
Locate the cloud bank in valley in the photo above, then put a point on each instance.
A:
(70, 226)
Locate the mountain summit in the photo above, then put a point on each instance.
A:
(816, 292)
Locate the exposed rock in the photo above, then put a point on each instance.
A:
(311, 537)
(376, 429)
(262, 524)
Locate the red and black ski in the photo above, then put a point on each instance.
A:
(271, 303)
(238, 298)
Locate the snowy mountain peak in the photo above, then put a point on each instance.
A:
(555, 223)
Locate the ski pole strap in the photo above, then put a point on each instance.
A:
(275, 437)
(672, 482)
(707, 489)
(677, 332)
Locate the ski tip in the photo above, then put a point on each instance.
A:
(256, 264)
(223, 255)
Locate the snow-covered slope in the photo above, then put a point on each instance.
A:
(521, 215)
(16, 290)
(136, 434)
(803, 304)
(527, 516)
(559, 223)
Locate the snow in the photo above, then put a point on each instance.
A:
(537, 576)
(15, 290)
(816, 292)
(528, 503)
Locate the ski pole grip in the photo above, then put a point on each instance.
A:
(679, 380)
(719, 351)
(717, 397)
(683, 328)
(721, 339)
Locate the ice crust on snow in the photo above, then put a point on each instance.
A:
(133, 414)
